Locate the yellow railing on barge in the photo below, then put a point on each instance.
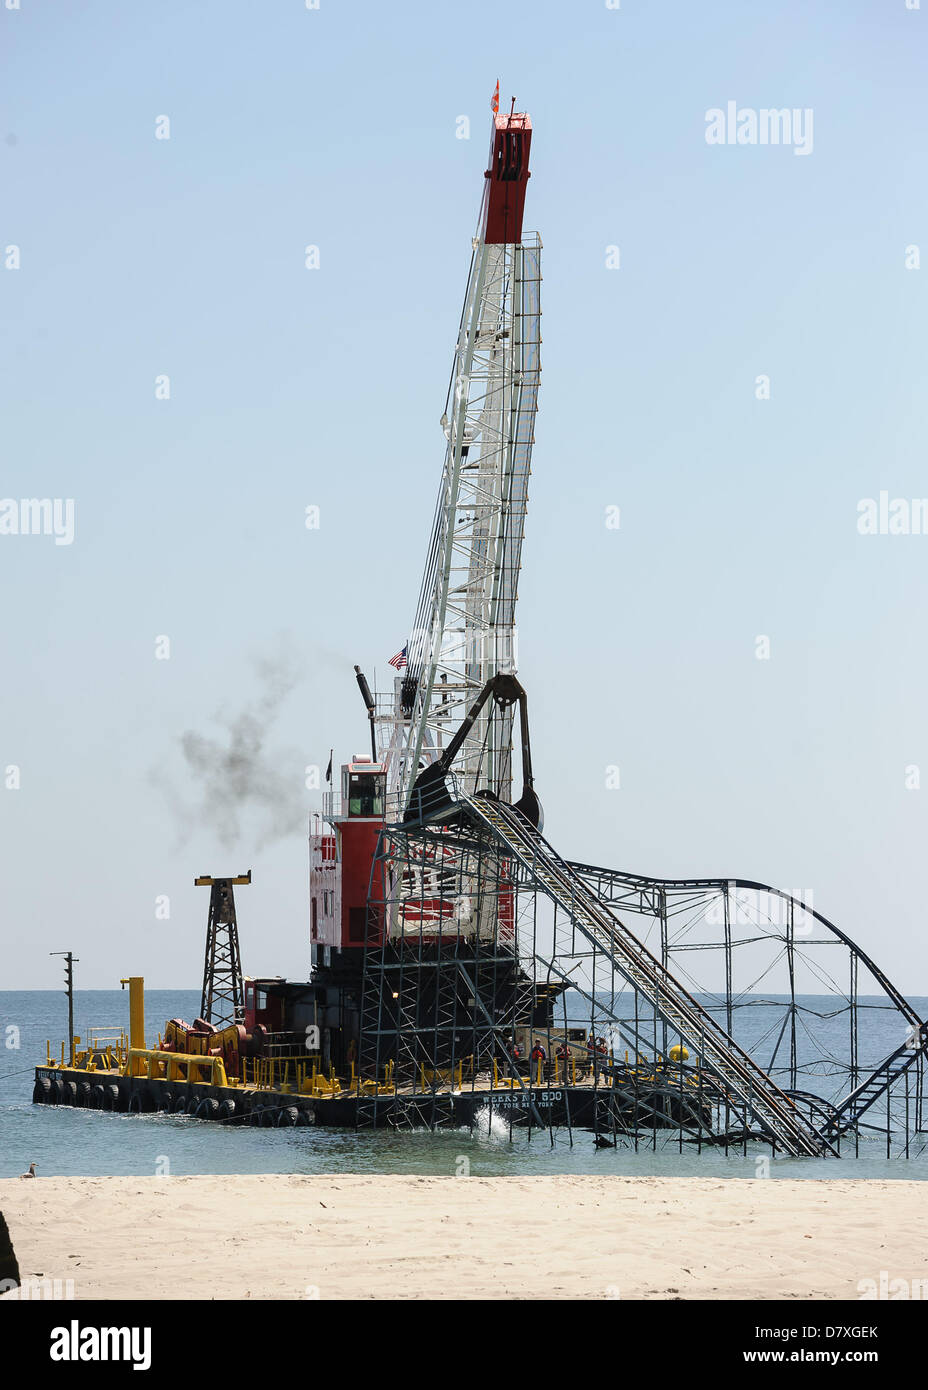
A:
(106, 1050)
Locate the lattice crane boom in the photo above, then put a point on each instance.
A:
(464, 631)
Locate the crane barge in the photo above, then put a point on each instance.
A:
(461, 969)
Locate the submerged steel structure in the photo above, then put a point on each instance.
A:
(564, 997)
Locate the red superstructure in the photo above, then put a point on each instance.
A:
(508, 176)
(341, 856)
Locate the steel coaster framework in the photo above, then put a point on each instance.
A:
(490, 936)
(729, 938)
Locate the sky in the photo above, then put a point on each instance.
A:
(748, 374)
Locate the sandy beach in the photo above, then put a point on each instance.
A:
(373, 1237)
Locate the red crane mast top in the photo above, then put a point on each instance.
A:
(507, 177)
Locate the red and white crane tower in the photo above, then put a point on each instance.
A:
(464, 630)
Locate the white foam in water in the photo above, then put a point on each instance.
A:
(489, 1124)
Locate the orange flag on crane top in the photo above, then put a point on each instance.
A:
(494, 104)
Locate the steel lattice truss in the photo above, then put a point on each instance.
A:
(465, 623)
(222, 1001)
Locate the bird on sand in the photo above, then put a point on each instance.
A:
(31, 1173)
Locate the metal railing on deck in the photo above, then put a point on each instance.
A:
(106, 1050)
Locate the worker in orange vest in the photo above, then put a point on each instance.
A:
(538, 1056)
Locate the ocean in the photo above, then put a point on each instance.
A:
(69, 1142)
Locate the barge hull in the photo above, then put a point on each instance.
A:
(598, 1109)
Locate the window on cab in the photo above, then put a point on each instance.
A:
(365, 793)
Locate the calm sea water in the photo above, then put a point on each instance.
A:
(66, 1142)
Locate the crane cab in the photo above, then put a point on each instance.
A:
(364, 784)
(342, 850)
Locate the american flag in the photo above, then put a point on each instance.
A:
(399, 661)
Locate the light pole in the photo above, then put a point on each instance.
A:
(69, 991)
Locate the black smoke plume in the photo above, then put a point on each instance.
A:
(237, 776)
